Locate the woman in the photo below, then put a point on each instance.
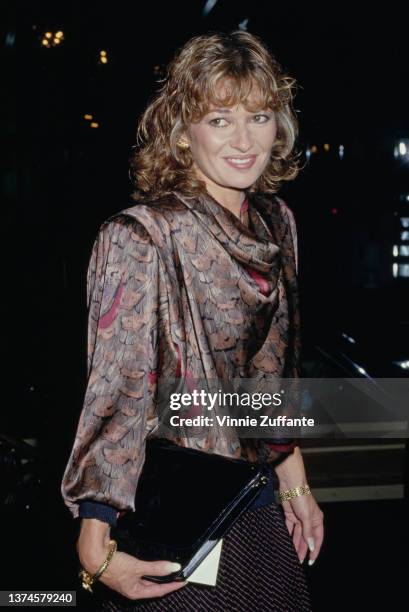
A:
(198, 279)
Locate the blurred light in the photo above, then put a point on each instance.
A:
(403, 364)
(341, 151)
(210, 4)
(395, 250)
(314, 149)
(88, 117)
(308, 153)
(401, 148)
(326, 147)
(403, 270)
(348, 338)
(404, 221)
(404, 250)
(334, 211)
(10, 39)
(243, 25)
(52, 40)
(103, 57)
(94, 124)
(404, 236)
(360, 369)
(158, 71)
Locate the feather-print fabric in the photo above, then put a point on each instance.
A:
(180, 289)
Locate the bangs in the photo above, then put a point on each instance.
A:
(255, 92)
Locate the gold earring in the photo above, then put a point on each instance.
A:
(182, 144)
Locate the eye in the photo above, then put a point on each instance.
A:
(261, 118)
(217, 122)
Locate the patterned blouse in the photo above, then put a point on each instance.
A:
(179, 288)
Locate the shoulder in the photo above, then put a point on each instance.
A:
(154, 218)
(158, 210)
(151, 220)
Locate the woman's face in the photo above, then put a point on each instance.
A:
(231, 146)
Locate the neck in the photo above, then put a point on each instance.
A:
(229, 198)
(232, 199)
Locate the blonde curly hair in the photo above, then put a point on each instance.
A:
(159, 166)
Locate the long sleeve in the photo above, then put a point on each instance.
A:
(122, 298)
(287, 445)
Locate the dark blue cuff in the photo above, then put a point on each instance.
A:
(102, 512)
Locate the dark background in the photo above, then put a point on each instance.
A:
(60, 179)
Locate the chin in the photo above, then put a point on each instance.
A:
(243, 183)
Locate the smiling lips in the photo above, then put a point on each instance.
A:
(241, 162)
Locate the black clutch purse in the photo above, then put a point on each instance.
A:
(186, 501)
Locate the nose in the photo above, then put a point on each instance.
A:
(242, 138)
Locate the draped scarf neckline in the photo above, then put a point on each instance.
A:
(253, 246)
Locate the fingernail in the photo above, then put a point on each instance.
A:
(302, 560)
(311, 544)
(311, 561)
(174, 567)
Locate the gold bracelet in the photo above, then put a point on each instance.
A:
(291, 493)
(89, 579)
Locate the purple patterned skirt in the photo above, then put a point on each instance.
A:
(259, 571)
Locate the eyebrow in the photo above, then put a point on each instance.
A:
(228, 110)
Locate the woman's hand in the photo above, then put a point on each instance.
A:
(124, 573)
(303, 517)
(305, 523)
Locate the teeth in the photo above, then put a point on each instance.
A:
(239, 161)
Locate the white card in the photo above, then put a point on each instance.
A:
(206, 572)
